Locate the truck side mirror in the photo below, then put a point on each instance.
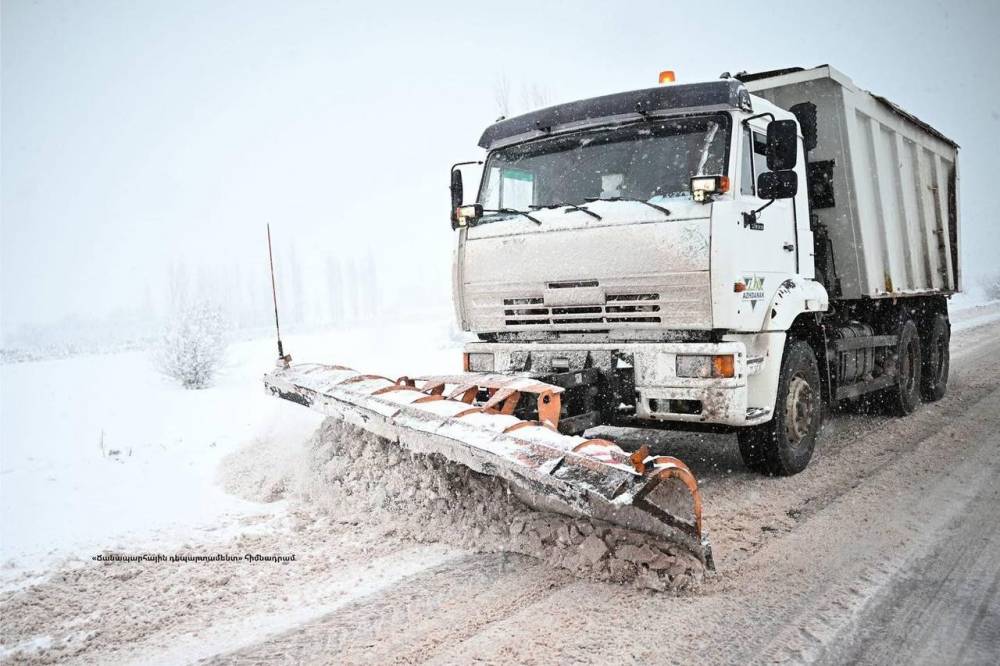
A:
(777, 185)
(457, 195)
(782, 151)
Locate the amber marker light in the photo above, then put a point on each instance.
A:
(667, 76)
(722, 366)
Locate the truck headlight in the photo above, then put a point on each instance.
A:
(704, 366)
(703, 188)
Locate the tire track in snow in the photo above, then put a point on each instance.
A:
(353, 584)
(418, 619)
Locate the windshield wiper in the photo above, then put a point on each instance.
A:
(570, 207)
(513, 211)
(642, 201)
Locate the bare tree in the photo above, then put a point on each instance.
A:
(335, 291)
(501, 94)
(352, 304)
(370, 278)
(294, 294)
(178, 284)
(534, 96)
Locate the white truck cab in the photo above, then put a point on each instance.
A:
(667, 256)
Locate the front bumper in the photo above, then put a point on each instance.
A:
(656, 393)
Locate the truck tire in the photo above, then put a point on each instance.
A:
(904, 397)
(784, 445)
(936, 359)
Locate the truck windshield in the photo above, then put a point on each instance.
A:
(649, 161)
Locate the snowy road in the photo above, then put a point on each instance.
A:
(886, 549)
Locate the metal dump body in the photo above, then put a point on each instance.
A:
(884, 184)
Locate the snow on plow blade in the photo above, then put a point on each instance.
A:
(546, 469)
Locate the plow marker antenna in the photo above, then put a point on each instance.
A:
(282, 358)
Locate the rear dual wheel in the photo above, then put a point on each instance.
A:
(784, 445)
(922, 365)
(904, 396)
(936, 359)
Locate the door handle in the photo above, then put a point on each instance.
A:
(789, 247)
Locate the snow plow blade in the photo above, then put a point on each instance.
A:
(469, 419)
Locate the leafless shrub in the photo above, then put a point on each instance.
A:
(193, 345)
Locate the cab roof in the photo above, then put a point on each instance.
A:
(723, 93)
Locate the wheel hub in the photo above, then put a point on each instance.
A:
(799, 409)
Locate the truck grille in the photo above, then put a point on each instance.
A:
(618, 309)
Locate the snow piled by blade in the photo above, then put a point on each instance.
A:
(357, 477)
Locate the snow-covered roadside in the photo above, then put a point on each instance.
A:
(975, 314)
(101, 453)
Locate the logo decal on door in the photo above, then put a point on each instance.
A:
(754, 290)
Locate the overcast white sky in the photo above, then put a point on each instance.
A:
(138, 133)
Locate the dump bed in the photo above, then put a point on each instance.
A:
(883, 183)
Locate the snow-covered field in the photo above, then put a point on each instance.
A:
(100, 452)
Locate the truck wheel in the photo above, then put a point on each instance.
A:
(784, 445)
(904, 397)
(936, 360)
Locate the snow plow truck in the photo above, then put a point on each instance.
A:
(735, 255)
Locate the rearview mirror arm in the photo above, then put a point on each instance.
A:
(749, 219)
(458, 164)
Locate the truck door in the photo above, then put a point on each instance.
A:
(764, 246)
(757, 250)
